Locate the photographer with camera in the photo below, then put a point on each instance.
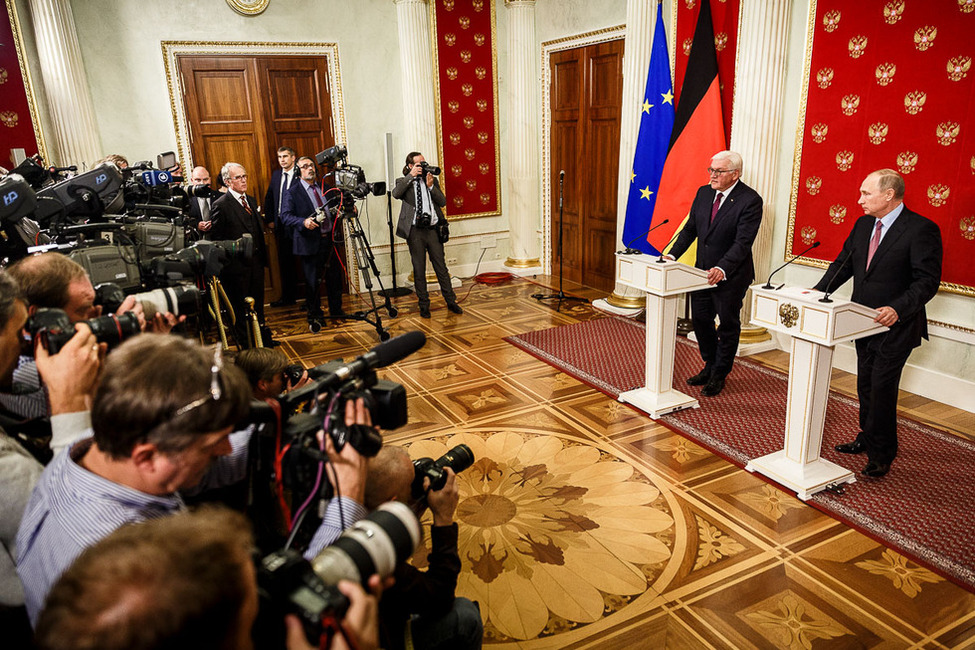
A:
(303, 209)
(423, 225)
(235, 214)
(200, 200)
(422, 604)
(182, 581)
(162, 420)
(269, 372)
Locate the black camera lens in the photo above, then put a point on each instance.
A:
(458, 459)
(292, 373)
(114, 328)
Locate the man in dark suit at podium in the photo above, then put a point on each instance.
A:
(313, 243)
(894, 256)
(232, 215)
(281, 180)
(724, 219)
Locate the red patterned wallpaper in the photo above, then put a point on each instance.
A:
(16, 125)
(890, 84)
(467, 102)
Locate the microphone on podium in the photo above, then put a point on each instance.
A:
(829, 285)
(634, 251)
(661, 260)
(768, 283)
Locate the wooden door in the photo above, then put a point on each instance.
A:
(586, 96)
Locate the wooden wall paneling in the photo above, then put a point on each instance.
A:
(297, 103)
(567, 109)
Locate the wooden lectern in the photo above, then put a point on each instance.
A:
(663, 283)
(815, 327)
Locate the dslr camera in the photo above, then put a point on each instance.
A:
(53, 328)
(427, 168)
(458, 459)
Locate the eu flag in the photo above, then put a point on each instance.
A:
(656, 124)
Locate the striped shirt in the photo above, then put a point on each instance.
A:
(72, 508)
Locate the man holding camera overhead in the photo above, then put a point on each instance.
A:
(303, 209)
(423, 225)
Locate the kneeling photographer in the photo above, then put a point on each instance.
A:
(420, 610)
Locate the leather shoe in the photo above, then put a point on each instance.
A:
(282, 303)
(855, 447)
(714, 387)
(338, 314)
(455, 308)
(424, 312)
(700, 378)
(875, 469)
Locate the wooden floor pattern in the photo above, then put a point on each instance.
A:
(584, 524)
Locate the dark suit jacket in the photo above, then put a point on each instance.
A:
(273, 196)
(905, 272)
(404, 192)
(230, 221)
(296, 206)
(193, 213)
(727, 242)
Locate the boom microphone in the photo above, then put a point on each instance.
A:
(829, 284)
(768, 283)
(634, 251)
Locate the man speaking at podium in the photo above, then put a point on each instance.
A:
(724, 220)
(894, 257)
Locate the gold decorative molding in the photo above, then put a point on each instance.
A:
(248, 7)
(627, 302)
(754, 335)
(25, 73)
(522, 264)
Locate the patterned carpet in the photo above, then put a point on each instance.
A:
(923, 507)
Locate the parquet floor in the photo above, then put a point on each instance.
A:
(584, 524)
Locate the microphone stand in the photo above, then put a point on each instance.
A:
(394, 291)
(561, 295)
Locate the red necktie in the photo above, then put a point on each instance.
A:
(715, 206)
(874, 242)
(243, 202)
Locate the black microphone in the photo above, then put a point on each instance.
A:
(561, 175)
(829, 284)
(661, 260)
(380, 356)
(634, 251)
(768, 283)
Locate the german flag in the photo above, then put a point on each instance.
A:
(698, 133)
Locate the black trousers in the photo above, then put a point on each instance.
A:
(323, 265)
(423, 242)
(286, 263)
(879, 368)
(719, 343)
(239, 282)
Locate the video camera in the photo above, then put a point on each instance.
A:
(349, 178)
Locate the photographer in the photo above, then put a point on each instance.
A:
(269, 372)
(424, 599)
(313, 243)
(423, 225)
(198, 210)
(162, 418)
(181, 581)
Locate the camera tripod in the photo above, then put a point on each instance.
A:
(364, 262)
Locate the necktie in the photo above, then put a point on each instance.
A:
(874, 242)
(419, 201)
(247, 206)
(715, 206)
(285, 178)
(204, 208)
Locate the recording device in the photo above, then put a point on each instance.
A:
(54, 329)
(332, 155)
(289, 584)
(458, 459)
(292, 373)
(86, 195)
(634, 251)
(182, 300)
(427, 168)
(829, 285)
(155, 177)
(768, 283)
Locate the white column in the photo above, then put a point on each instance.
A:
(640, 18)
(416, 67)
(523, 196)
(76, 139)
(759, 97)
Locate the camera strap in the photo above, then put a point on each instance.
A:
(424, 203)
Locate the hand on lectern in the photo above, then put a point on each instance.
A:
(715, 275)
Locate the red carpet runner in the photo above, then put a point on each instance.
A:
(925, 506)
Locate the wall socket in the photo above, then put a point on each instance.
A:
(451, 260)
(488, 241)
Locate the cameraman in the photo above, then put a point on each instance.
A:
(181, 581)
(422, 604)
(313, 243)
(421, 219)
(200, 200)
(162, 418)
(268, 372)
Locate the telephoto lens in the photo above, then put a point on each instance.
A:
(458, 459)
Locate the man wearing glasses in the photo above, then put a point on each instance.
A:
(724, 220)
(235, 214)
(162, 418)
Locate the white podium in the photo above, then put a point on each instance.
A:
(815, 328)
(663, 284)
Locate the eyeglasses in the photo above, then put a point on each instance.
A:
(306, 166)
(717, 172)
(238, 178)
(215, 390)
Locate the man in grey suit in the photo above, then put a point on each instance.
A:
(724, 219)
(420, 218)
